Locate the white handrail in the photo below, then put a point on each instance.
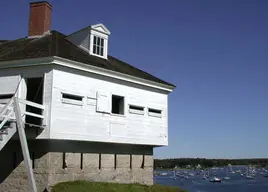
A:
(10, 102)
(4, 116)
(31, 104)
(34, 115)
(6, 119)
(3, 113)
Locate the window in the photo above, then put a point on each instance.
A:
(117, 105)
(98, 45)
(136, 109)
(6, 96)
(154, 112)
(72, 99)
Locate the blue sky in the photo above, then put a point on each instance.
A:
(214, 51)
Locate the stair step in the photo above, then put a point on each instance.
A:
(4, 131)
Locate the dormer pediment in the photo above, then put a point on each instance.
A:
(101, 28)
(93, 39)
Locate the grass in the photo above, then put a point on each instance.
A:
(86, 186)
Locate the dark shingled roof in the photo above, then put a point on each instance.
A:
(3, 41)
(56, 44)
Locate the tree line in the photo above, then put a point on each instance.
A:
(204, 163)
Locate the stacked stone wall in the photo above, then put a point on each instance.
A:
(56, 161)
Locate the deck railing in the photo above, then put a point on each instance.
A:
(7, 111)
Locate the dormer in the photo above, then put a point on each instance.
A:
(93, 39)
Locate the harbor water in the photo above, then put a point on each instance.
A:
(200, 181)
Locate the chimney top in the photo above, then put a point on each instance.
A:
(40, 2)
(40, 18)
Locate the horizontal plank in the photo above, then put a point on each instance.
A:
(31, 104)
(34, 115)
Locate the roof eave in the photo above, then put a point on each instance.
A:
(85, 67)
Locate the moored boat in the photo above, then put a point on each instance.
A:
(215, 180)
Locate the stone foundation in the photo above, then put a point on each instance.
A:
(57, 161)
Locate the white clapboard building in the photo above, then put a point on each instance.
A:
(84, 113)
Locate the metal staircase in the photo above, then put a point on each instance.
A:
(11, 121)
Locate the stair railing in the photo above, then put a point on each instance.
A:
(12, 111)
(6, 113)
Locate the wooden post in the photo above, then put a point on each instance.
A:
(24, 146)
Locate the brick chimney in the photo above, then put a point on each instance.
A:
(40, 18)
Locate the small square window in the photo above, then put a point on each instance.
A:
(117, 104)
(136, 109)
(154, 112)
(72, 99)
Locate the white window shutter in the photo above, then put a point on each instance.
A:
(103, 102)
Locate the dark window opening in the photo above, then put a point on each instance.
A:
(6, 96)
(136, 107)
(117, 104)
(81, 161)
(72, 97)
(155, 111)
(115, 161)
(64, 165)
(142, 164)
(33, 160)
(99, 160)
(130, 164)
(34, 94)
(98, 45)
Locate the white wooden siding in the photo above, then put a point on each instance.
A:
(9, 80)
(84, 123)
(9, 84)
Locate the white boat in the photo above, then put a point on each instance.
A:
(204, 176)
(215, 180)
(248, 174)
(163, 174)
(191, 174)
(227, 175)
(174, 175)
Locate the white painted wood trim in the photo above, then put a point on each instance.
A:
(101, 25)
(72, 102)
(24, 146)
(134, 111)
(31, 104)
(154, 114)
(34, 115)
(113, 74)
(87, 68)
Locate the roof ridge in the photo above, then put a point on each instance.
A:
(79, 30)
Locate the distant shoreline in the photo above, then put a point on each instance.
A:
(191, 163)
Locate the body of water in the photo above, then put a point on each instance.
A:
(194, 181)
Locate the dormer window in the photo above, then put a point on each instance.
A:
(98, 45)
(99, 40)
(92, 39)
